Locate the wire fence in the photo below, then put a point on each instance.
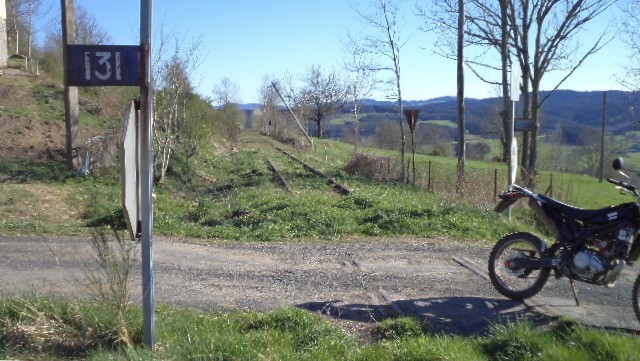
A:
(482, 185)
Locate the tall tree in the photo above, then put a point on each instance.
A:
(174, 87)
(172, 78)
(385, 43)
(195, 131)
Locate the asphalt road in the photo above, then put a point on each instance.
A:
(359, 282)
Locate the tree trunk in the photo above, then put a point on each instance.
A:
(533, 144)
(319, 125)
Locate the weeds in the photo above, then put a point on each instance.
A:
(110, 284)
(39, 328)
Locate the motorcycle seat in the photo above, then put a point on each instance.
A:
(597, 216)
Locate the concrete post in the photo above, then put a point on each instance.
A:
(4, 52)
(72, 111)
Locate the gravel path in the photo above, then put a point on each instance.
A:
(356, 282)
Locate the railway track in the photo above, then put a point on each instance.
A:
(338, 187)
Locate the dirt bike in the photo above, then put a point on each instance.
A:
(591, 245)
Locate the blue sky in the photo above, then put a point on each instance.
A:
(246, 40)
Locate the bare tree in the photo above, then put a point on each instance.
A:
(631, 37)
(554, 26)
(14, 22)
(226, 92)
(326, 95)
(22, 17)
(384, 44)
(486, 27)
(542, 39)
(361, 82)
(87, 30)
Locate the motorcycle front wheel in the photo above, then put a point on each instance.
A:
(517, 283)
(635, 294)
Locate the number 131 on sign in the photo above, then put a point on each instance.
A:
(103, 65)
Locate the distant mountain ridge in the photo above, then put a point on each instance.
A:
(566, 108)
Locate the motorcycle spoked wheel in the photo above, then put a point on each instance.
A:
(635, 297)
(521, 283)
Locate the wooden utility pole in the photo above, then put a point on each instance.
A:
(604, 124)
(4, 52)
(274, 85)
(461, 125)
(71, 110)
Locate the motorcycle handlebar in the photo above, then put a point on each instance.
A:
(625, 185)
(616, 182)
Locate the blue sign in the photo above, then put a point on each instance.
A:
(103, 65)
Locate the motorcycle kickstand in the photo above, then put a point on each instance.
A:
(575, 291)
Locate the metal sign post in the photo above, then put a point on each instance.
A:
(128, 65)
(146, 173)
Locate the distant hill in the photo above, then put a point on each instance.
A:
(564, 108)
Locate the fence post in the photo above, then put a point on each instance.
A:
(495, 183)
(429, 186)
(549, 190)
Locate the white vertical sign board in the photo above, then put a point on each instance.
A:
(129, 172)
(515, 83)
(515, 96)
(514, 161)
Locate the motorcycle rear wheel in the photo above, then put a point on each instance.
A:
(521, 283)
